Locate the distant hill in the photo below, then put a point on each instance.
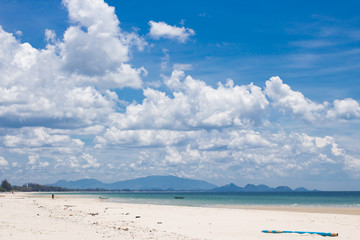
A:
(80, 184)
(229, 188)
(259, 188)
(168, 183)
(283, 189)
(301, 189)
(145, 183)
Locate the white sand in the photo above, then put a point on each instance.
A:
(28, 217)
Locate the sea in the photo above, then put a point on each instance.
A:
(212, 199)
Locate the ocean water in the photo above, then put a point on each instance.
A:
(330, 199)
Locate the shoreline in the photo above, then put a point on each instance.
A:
(331, 209)
(32, 216)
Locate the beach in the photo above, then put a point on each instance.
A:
(31, 216)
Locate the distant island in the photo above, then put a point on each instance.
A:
(167, 183)
(259, 188)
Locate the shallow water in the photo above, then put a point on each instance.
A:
(331, 199)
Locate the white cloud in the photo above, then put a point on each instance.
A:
(96, 15)
(85, 62)
(231, 151)
(18, 33)
(247, 139)
(204, 140)
(345, 109)
(162, 30)
(174, 81)
(173, 156)
(36, 141)
(50, 36)
(165, 59)
(3, 162)
(15, 164)
(44, 164)
(92, 130)
(103, 49)
(87, 54)
(200, 125)
(352, 164)
(25, 57)
(91, 161)
(35, 162)
(76, 163)
(182, 67)
(278, 154)
(143, 138)
(285, 98)
(33, 159)
(62, 108)
(49, 95)
(194, 105)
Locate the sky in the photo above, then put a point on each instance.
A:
(261, 92)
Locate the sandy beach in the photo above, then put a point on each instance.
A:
(29, 216)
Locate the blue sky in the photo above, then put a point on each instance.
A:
(230, 91)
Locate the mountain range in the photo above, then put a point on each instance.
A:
(259, 188)
(150, 183)
(168, 183)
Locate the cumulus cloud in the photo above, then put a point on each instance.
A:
(352, 164)
(202, 139)
(35, 162)
(77, 162)
(93, 14)
(285, 99)
(199, 124)
(33, 159)
(40, 140)
(103, 47)
(345, 109)
(144, 138)
(194, 105)
(173, 156)
(49, 86)
(163, 30)
(50, 36)
(222, 152)
(44, 164)
(91, 162)
(3, 162)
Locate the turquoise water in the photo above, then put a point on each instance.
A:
(332, 199)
